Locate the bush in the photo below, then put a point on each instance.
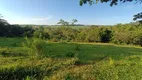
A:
(138, 39)
(77, 47)
(35, 46)
(106, 35)
(70, 54)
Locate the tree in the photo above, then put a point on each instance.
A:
(113, 2)
(3, 21)
(62, 22)
(28, 31)
(74, 21)
(4, 27)
(40, 33)
(138, 16)
(106, 35)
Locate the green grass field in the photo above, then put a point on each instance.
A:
(70, 61)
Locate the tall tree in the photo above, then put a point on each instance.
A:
(62, 22)
(4, 28)
(138, 16)
(74, 21)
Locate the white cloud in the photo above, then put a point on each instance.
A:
(39, 19)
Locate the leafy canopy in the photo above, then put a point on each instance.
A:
(112, 2)
(65, 23)
(62, 22)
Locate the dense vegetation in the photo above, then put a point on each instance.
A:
(119, 34)
(70, 52)
(68, 61)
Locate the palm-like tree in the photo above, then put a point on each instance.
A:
(62, 22)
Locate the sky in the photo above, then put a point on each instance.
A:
(49, 12)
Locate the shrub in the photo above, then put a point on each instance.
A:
(70, 54)
(35, 46)
(138, 39)
(68, 77)
(77, 47)
(106, 35)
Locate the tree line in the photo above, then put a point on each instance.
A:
(119, 34)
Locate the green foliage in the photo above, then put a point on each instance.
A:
(77, 47)
(138, 39)
(74, 21)
(106, 35)
(70, 54)
(65, 23)
(137, 16)
(114, 2)
(93, 34)
(35, 46)
(31, 68)
(28, 31)
(7, 30)
(93, 61)
(75, 52)
(10, 52)
(40, 33)
(119, 34)
(68, 77)
(62, 22)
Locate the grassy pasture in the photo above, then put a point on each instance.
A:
(63, 62)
